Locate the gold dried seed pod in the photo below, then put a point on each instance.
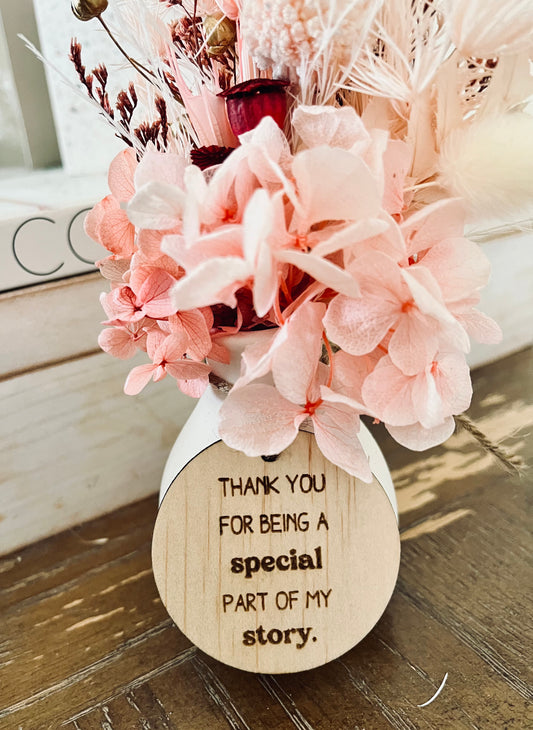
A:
(220, 34)
(88, 9)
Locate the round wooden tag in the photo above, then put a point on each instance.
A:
(274, 566)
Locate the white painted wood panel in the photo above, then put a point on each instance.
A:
(50, 322)
(73, 446)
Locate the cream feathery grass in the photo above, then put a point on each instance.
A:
(488, 164)
(490, 28)
(403, 51)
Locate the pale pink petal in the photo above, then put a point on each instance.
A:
(187, 369)
(257, 225)
(219, 353)
(372, 156)
(207, 112)
(113, 268)
(194, 388)
(480, 327)
(205, 284)
(336, 431)
(390, 243)
(350, 235)
(257, 420)
(295, 362)
(459, 266)
(333, 185)
(149, 243)
(154, 294)
(160, 372)
(118, 342)
(396, 165)
(452, 376)
(388, 394)
(265, 286)
(359, 325)
(196, 194)
(349, 372)
(117, 233)
(268, 154)
(225, 241)
(94, 218)
(338, 127)
(157, 206)
(121, 304)
(320, 379)
(195, 326)
(418, 438)
(322, 270)
(414, 343)
(428, 404)
(120, 175)
(256, 360)
(230, 8)
(426, 294)
(138, 378)
(331, 396)
(433, 223)
(164, 167)
(154, 343)
(172, 348)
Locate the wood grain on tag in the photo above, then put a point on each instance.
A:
(274, 566)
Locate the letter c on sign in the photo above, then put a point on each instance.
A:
(69, 237)
(17, 258)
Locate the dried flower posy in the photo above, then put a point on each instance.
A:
(306, 168)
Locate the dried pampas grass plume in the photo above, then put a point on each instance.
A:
(490, 165)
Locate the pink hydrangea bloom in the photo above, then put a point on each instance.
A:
(167, 355)
(264, 419)
(417, 409)
(108, 222)
(314, 239)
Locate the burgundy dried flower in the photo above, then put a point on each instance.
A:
(249, 102)
(205, 157)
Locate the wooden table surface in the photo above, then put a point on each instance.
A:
(86, 643)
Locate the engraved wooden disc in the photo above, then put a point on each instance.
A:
(274, 566)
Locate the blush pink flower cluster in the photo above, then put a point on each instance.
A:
(367, 310)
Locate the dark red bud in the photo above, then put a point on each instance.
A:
(204, 157)
(249, 102)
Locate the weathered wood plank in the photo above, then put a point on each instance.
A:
(86, 643)
(45, 567)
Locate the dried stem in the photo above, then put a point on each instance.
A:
(513, 463)
(142, 70)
